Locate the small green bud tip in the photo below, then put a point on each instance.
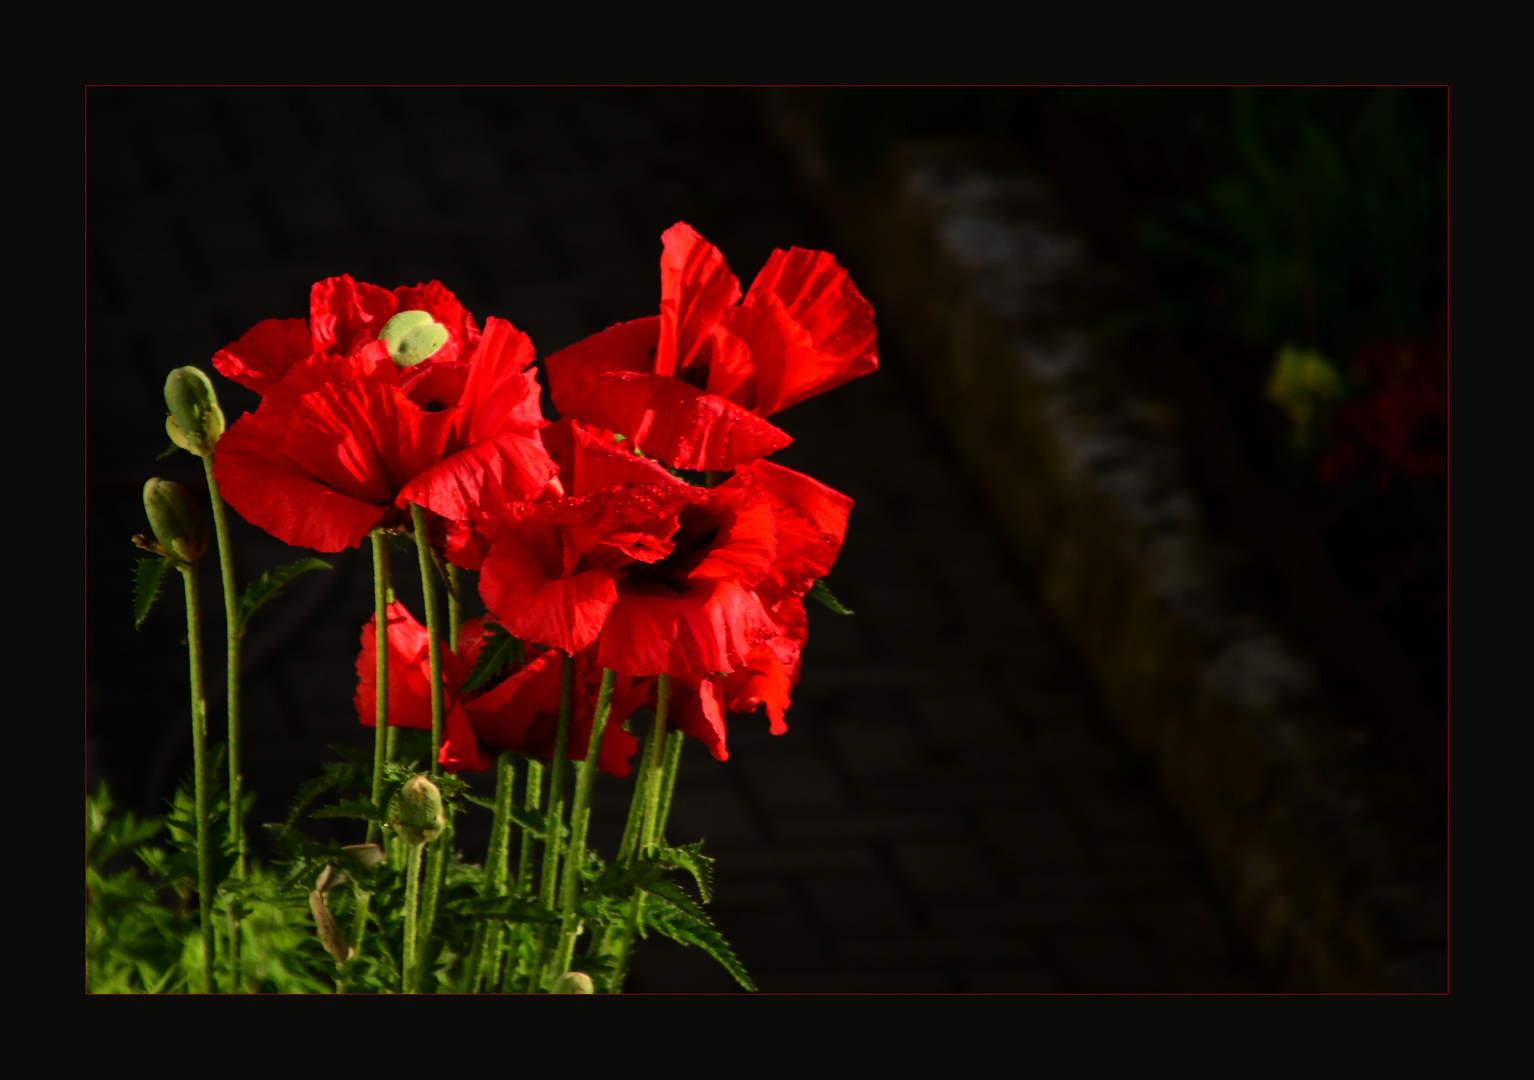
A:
(573, 982)
(417, 815)
(195, 422)
(412, 336)
(174, 519)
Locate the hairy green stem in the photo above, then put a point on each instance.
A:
(433, 632)
(548, 884)
(233, 635)
(436, 875)
(201, 780)
(527, 860)
(487, 937)
(532, 799)
(667, 786)
(454, 605)
(643, 811)
(381, 589)
(363, 900)
(412, 898)
(580, 816)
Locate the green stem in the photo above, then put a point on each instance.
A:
(580, 816)
(364, 900)
(233, 636)
(619, 941)
(412, 897)
(381, 731)
(527, 856)
(454, 606)
(433, 632)
(436, 876)
(548, 885)
(437, 866)
(200, 767)
(487, 937)
(667, 786)
(532, 799)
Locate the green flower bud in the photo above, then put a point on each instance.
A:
(417, 812)
(573, 982)
(174, 519)
(195, 421)
(329, 930)
(412, 336)
(362, 859)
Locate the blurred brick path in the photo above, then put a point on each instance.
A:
(948, 811)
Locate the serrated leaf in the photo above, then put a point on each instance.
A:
(496, 649)
(349, 808)
(691, 858)
(507, 909)
(535, 824)
(647, 874)
(148, 577)
(270, 584)
(333, 774)
(687, 930)
(823, 594)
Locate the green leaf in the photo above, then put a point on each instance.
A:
(161, 456)
(699, 865)
(147, 580)
(823, 594)
(505, 908)
(270, 584)
(535, 824)
(690, 930)
(349, 808)
(496, 649)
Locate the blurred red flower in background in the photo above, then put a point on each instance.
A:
(1398, 427)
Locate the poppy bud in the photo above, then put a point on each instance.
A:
(417, 814)
(573, 982)
(195, 421)
(329, 930)
(174, 519)
(412, 336)
(362, 859)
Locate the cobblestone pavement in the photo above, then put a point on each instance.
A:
(948, 812)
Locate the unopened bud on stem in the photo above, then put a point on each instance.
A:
(174, 519)
(195, 421)
(329, 930)
(573, 982)
(417, 814)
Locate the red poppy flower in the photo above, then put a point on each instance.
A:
(344, 315)
(548, 569)
(519, 713)
(691, 385)
(767, 677)
(343, 442)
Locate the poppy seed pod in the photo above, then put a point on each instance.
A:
(412, 336)
(174, 518)
(417, 813)
(195, 421)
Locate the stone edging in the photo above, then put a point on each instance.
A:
(1327, 853)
